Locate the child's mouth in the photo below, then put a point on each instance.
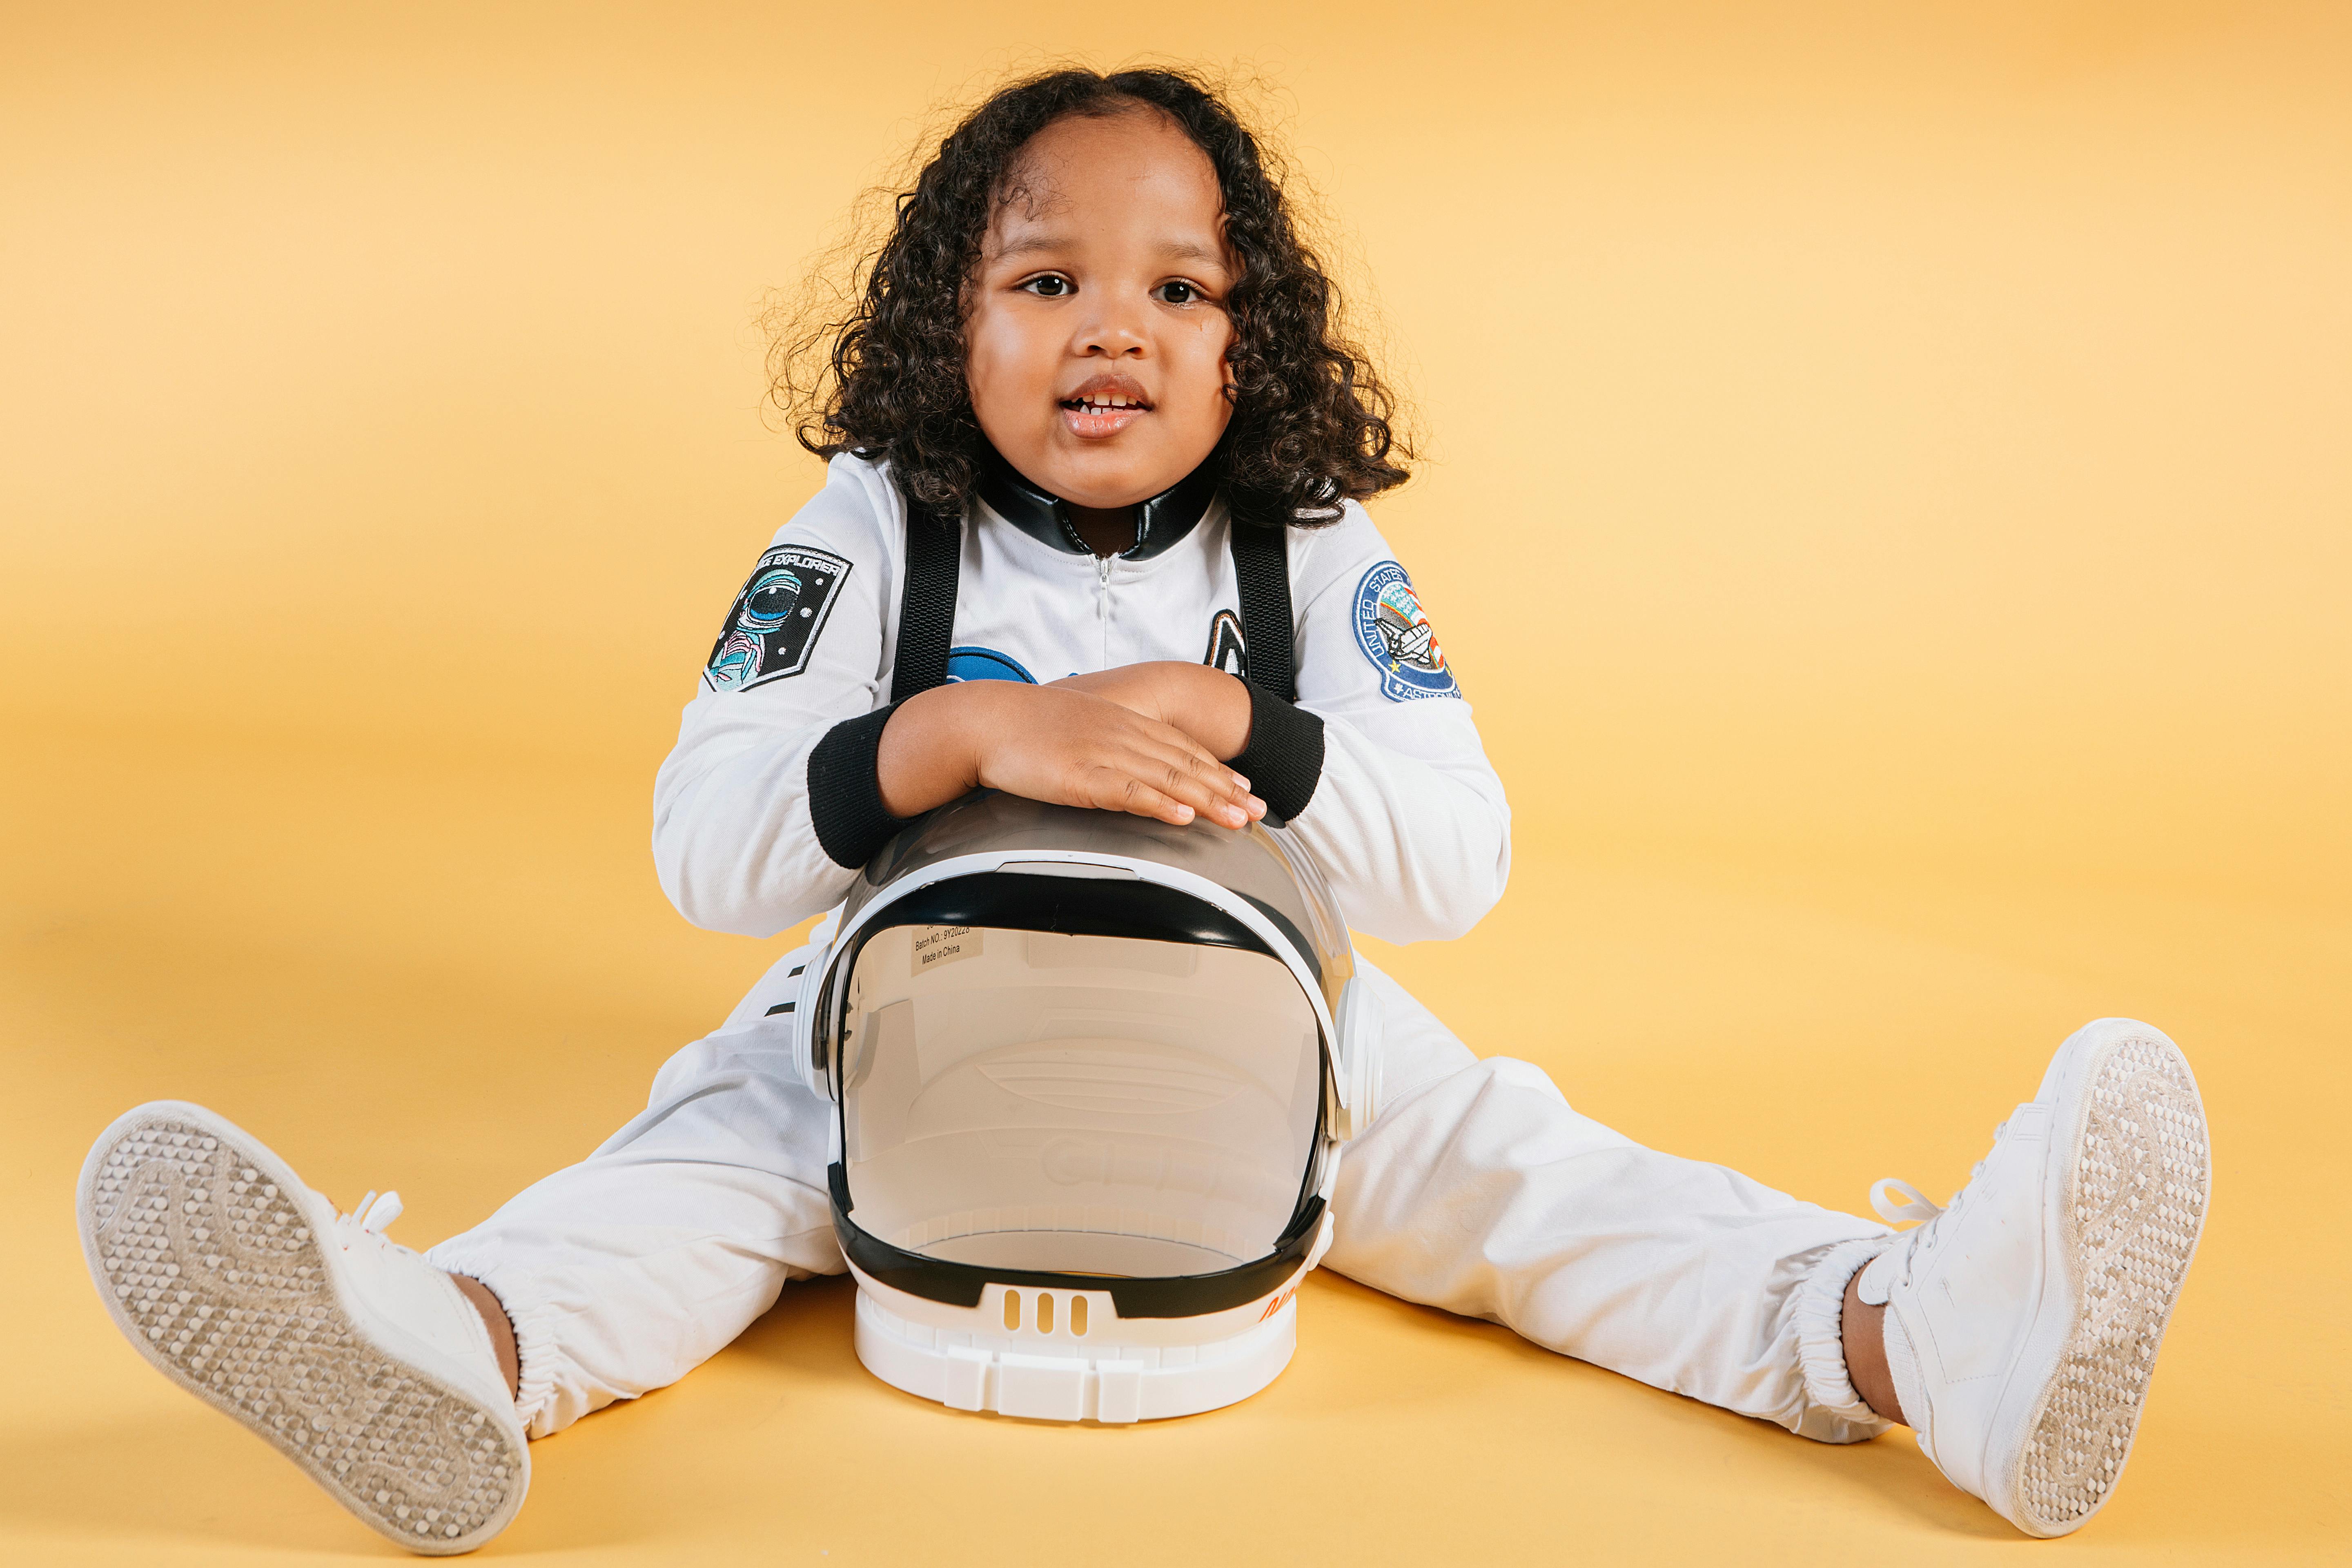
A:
(1095, 416)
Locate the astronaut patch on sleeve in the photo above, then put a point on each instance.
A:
(1395, 634)
(777, 617)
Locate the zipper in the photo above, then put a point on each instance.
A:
(1102, 612)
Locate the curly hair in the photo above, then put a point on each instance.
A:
(1313, 424)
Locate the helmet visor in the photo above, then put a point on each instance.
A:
(1077, 1104)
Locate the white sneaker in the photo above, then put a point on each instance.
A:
(2023, 1322)
(361, 1362)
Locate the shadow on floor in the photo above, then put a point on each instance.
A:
(144, 1480)
(188, 1475)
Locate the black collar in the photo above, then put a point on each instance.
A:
(1159, 522)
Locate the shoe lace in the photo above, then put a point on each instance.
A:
(1915, 1210)
(369, 1221)
(1915, 1206)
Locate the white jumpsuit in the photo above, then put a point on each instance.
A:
(1478, 1190)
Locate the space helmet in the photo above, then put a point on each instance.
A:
(1091, 1077)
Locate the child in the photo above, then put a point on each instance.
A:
(1091, 350)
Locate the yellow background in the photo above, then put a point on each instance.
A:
(1886, 494)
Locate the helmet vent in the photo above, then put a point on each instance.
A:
(1041, 1309)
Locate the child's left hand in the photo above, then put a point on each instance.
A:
(1207, 704)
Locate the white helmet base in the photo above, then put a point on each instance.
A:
(1050, 1373)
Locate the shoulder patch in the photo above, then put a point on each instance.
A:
(1226, 651)
(776, 620)
(1395, 634)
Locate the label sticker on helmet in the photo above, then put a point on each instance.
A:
(776, 620)
(935, 945)
(1396, 636)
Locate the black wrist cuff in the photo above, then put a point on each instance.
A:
(1284, 759)
(845, 787)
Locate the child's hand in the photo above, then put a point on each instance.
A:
(1052, 744)
(1206, 703)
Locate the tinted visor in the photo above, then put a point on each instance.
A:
(1018, 1103)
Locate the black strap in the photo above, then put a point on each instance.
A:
(926, 606)
(1262, 567)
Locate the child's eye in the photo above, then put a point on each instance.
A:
(1176, 292)
(1048, 287)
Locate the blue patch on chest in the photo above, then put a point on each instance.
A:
(986, 664)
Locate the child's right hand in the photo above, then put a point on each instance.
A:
(1052, 743)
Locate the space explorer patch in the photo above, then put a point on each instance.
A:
(776, 619)
(1396, 636)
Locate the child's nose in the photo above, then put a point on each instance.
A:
(1115, 333)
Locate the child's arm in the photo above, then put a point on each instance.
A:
(1054, 743)
(1406, 815)
(739, 834)
(1212, 708)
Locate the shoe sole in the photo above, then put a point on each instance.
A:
(2127, 1208)
(214, 1271)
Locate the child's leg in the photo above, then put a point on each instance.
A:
(1481, 1191)
(368, 1367)
(627, 1270)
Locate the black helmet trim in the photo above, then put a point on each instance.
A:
(986, 830)
(1072, 906)
(1157, 1296)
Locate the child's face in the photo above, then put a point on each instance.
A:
(1104, 278)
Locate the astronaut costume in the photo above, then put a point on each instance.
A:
(1077, 1075)
(1478, 1189)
